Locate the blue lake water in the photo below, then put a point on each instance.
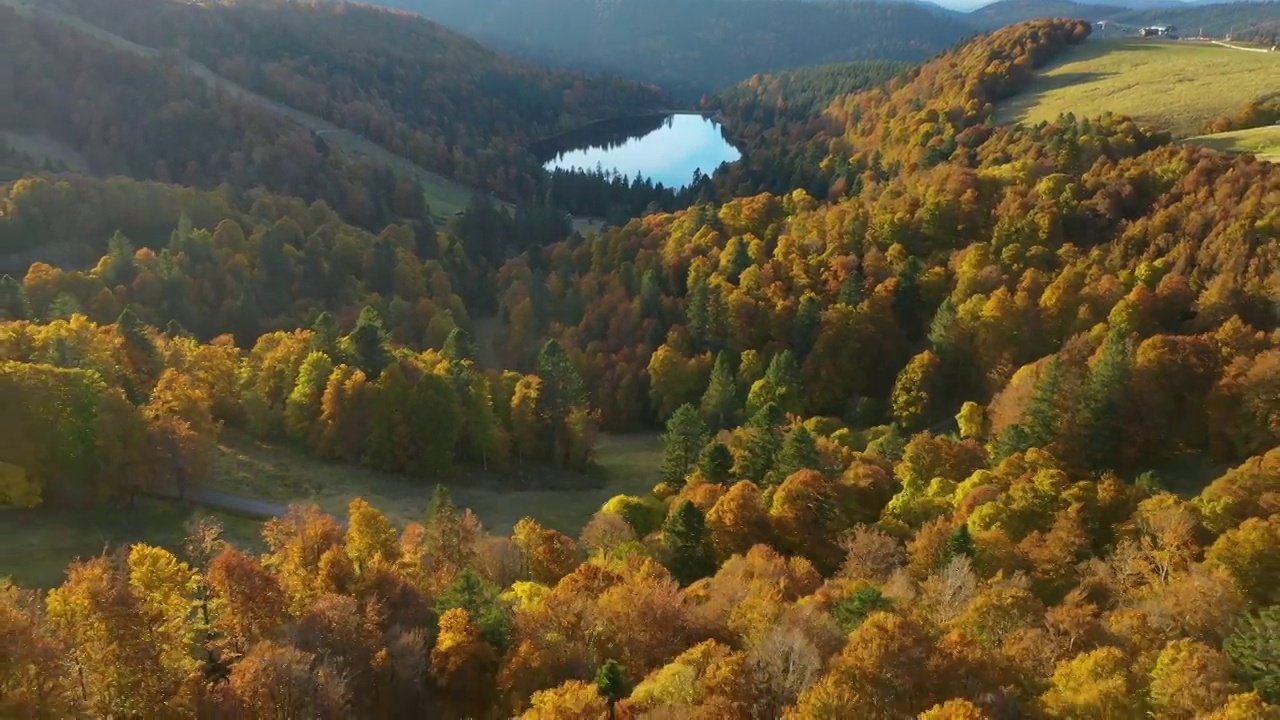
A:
(663, 149)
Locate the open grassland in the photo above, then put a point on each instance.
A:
(1263, 141)
(1167, 84)
(561, 500)
(36, 545)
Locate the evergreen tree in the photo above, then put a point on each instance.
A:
(458, 346)
(720, 402)
(560, 394)
(382, 266)
(799, 452)
(908, 304)
(325, 334)
(959, 542)
(369, 343)
(851, 611)
(1039, 423)
(739, 260)
(807, 325)
(481, 599)
(1254, 649)
(611, 683)
(650, 295)
(119, 267)
(698, 307)
(715, 464)
(1101, 407)
(681, 443)
(761, 443)
(13, 300)
(685, 535)
(851, 290)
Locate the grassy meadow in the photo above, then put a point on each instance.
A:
(1263, 142)
(1168, 84)
(36, 545)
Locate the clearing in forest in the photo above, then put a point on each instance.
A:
(1174, 85)
(1261, 141)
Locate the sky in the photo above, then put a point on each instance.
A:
(667, 155)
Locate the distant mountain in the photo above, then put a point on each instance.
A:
(1216, 19)
(691, 47)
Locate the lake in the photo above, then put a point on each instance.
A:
(665, 149)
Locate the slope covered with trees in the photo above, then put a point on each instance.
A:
(692, 47)
(922, 431)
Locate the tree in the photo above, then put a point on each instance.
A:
(914, 389)
(1254, 649)
(761, 443)
(971, 420)
(738, 520)
(1102, 405)
(302, 408)
(463, 665)
(685, 535)
(1096, 684)
(807, 324)
(458, 346)
(851, 611)
(13, 300)
(685, 436)
(715, 463)
(959, 543)
(611, 683)
(560, 393)
(1040, 421)
(719, 404)
(1190, 679)
(799, 452)
(368, 343)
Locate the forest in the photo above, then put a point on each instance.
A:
(959, 421)
(693, 47)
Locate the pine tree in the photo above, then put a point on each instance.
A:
(369, 343)
(799, 452)
(458, 346)
(807, 325)
(851, 611)
(685, 535)
(1039, 423)
(851, 290)
(1254, 649)
(681, 443)
(761, 444)
(118, 266)
(13, 300)
(1102, 403)
(739, 260)
(720, 401)
(560, 394)
(715, 463)
(324, 335)
(958, 543)
(611, 683)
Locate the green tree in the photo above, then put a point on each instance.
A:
(458, 346)
(914, 390)
(1039, 423)
(959, 542)
(118, 266)
(1101, 407)
(611, 683)
(715, 463)
(560, 394)
(807, 324)
(13, 300)
(368, 343)
(685, 535)
(761, 443)
(681, 443)
(851, 611)
(720, 401)
(325, 335)
(480, 598)
(1254, 649)
(799, 452)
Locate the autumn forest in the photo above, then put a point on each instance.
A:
(959, 420)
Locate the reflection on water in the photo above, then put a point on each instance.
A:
(663, 149)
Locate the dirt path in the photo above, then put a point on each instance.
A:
(1239, 47)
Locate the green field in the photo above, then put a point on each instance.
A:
(1263, 142)
(1170, 85)
(561, 500)
(36, 545)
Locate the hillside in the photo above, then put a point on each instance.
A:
(319, 67)
(1175, 86)
(1254, 20)
(1261, 141)
(695, 46)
